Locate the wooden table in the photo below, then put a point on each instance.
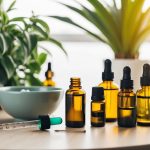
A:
(108, 137)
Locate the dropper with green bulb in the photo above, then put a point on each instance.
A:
(44, 122)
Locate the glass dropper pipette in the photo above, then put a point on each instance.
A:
(43, 123)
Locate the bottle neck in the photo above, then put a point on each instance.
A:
(145, 87)
(108, 82)
(75, 83)
(49, 75)
(127, 90)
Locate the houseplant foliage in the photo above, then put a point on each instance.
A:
(20, 62)
(122, 25)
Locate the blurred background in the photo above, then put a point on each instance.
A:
(85, 54)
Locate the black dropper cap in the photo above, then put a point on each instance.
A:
(126, 82)
(145, 79)
(97, 93)
(107, 75)
(48, 69)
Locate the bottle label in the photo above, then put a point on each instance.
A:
(75, 107)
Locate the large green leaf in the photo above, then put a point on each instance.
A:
(9, 65)
(41, 22)
(3, 44)
(42, 58)
(40, 32)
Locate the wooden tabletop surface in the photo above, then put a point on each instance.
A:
(108, 137)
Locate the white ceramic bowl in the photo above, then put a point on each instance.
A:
(30, 102)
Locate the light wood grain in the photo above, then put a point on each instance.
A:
(95, 138)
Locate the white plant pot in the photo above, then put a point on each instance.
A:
(136, 70)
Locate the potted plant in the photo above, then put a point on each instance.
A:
(123, 25)
(20, 62)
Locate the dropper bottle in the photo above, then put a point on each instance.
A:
(143, 98)
(126, 101)
(44, 122)
(110, 92)
(49, 74)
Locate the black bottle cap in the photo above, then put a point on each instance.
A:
(45, 122)
(97, 93)
(107, 75)
(126, 82)
(48, 69)
(145, 79)
(49, 66)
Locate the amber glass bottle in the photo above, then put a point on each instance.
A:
(110, 92)
(75, 105)
(143, 98)
(49, 74)
(97, 107)
(126, 101)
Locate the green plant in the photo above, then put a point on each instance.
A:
(123, 27)
(20, 62)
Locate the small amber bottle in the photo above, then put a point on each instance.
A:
(110, 92)
(49, 74)
(126, 101)
(97, 107)
(143, 98)
(75, 105)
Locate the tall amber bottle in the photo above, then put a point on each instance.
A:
(110, 92)
(143, 98)
(75, 105)
(126, 101)
(49, 74)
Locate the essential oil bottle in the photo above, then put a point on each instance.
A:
(49, 74)
(110, 92)
(75, 105)
(126, 101)
(97, 107)
(143, 98)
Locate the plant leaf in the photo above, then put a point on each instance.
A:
(68, 20)
(3, 75)
(91, 17)
(58, 44)
(5, 18)
(11, 6)
(42, 58)
(33, 39)
(41, 22)
(3, 45)
(107, 20)
(46, 50)
(40, 32)
(9, 65)
(33, 80)
(17, 19)
(141, 38)
(34, 67)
